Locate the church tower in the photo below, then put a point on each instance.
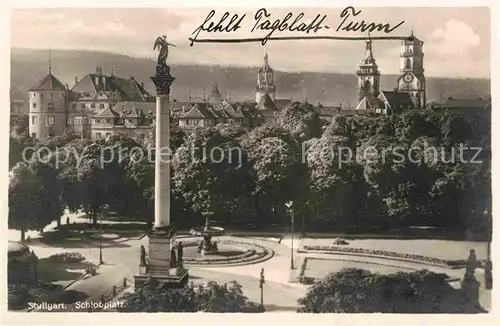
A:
(411, 66)
(265, 81)
(368, 74)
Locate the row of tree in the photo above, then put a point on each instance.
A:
(249, 177)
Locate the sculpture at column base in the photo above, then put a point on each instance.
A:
(469, 284)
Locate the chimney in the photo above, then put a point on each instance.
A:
(76, 80)
(98, 71)
(142, 85)
(395, 89)
(104, 82)
(97, 78)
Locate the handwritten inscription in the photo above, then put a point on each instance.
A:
(265, 24)
(231, 25)
(362, 25)
(263, 21)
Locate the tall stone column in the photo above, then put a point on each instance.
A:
(162, 263)
(162, 162)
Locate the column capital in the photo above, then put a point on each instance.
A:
(162, 80)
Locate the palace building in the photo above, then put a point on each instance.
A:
(98, 105)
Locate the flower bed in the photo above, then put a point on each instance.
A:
(66, 257)
(392, 254)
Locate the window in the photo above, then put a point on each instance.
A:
(92, 105)
(33, 135)
(78, 121)
(108, 121)
(73, 105)
(33, 120)
(408, 63)
(196, 122)
(34, 94)
(68, 121)
(98, 135)
(50, 120)
(101, 105)
(50, 95)
(50, 107)
(82, 105)
(62, 95)
(34, 105)
(108, 134)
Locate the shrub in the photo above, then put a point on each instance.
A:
(359, 291)
(66, 257)
(306, 280)
(211, 297)
(18, 298)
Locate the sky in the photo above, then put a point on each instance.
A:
(456, 40)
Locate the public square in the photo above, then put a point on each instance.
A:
(281, 290)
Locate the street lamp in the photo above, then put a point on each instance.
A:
(488, 266)
(289, 205)
(100, 241)
(261, 285)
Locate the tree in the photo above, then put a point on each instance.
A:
(19, 149)
(301, 120)
(20, 125)
(211, 172)
(359, 291)
(279, 174)
(33, 197)
(336, 178)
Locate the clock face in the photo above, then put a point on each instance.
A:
(408, 78)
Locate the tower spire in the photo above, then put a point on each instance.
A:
(50, 60)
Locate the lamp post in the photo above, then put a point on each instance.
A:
(488, 266)
(292, 218)
(261, 285)
(100, 242)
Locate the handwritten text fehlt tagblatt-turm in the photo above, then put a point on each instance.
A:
(349, 20)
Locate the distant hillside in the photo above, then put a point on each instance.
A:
(28, 66)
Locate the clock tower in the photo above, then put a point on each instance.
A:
(368, 74)
(412, 80)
